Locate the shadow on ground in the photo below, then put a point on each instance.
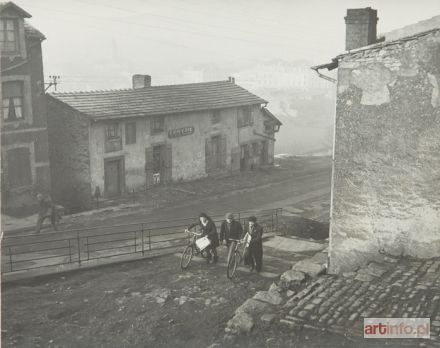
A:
(301, 227)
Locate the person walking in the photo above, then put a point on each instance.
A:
(208, 229)
(46, 209)
(255, 250)
(230, 229)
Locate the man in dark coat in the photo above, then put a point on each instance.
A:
(230, 229)
(46, 209)
(208, 229)
(255, 249)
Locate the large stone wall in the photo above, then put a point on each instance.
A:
(386, 176)
(69, 156)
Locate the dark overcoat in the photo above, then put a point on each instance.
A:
(233, 230)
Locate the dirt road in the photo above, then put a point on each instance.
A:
(148, 303)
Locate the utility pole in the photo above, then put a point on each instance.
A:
(53, 82)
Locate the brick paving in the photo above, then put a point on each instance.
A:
(404, 288)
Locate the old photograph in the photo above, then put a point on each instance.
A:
(220, 173)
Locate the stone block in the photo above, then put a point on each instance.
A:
(268, 318)
(241, 323)
(309, 268)
(271, 297)
(291, 278)
(253, 307)
(376, 269)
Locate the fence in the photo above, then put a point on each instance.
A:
(77, 247)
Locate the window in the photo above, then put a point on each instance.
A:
(255, 149)
(112, 131)
(157, 124)
(268, 127)
(8, 35)
(215, 117)
(19, 167)
(12, 101)
(130, 133)
(245, 117)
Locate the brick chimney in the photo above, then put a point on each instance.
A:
(141, 81)
(361, 26)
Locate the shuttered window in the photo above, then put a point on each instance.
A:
(19, 167)
(245, 117)
(112, 131)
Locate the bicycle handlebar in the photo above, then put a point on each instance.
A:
(195, 233)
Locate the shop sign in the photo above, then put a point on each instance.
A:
(180, 132)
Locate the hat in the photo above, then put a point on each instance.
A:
(229, 216)
(252, 219)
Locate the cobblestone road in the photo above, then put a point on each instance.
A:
(339, 304)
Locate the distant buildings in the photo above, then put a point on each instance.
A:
(117, 141)
(280, 75)
(386, 173)
(24, 143)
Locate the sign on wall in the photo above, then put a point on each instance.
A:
(180, 132)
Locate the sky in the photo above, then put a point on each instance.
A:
(91, 43)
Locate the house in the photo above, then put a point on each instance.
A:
(117, 141)
(386, 158)
(24, 140)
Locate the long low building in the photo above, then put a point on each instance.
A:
(117, 141)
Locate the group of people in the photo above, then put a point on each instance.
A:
(231, 230)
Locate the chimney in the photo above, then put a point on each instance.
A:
(231, 79)
(141, 81)
(361, 25)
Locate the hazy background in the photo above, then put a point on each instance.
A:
(267, 45)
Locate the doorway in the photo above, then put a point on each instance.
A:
(216, 152)
(113, 176)
(158, 164)
(244, 157)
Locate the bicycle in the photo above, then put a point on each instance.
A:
(191, 250)
(237, 258)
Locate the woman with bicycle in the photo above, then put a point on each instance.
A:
(210, 230)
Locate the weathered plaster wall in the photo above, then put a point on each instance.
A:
(69, 156)
(188, 152)
(386, 178)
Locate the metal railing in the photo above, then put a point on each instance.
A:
(81, 246)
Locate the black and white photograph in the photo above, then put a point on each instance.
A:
(220, 173)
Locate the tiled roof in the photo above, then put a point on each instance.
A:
(10, 5)
(159, 100)
(33, 32)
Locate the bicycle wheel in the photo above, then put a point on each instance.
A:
(186, 257)
(232, 265)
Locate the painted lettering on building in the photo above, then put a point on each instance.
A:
(180, 132)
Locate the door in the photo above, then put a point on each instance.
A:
(244, 157)
(264, 152)
(158, 164)
(113, 177)
(216, 151)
